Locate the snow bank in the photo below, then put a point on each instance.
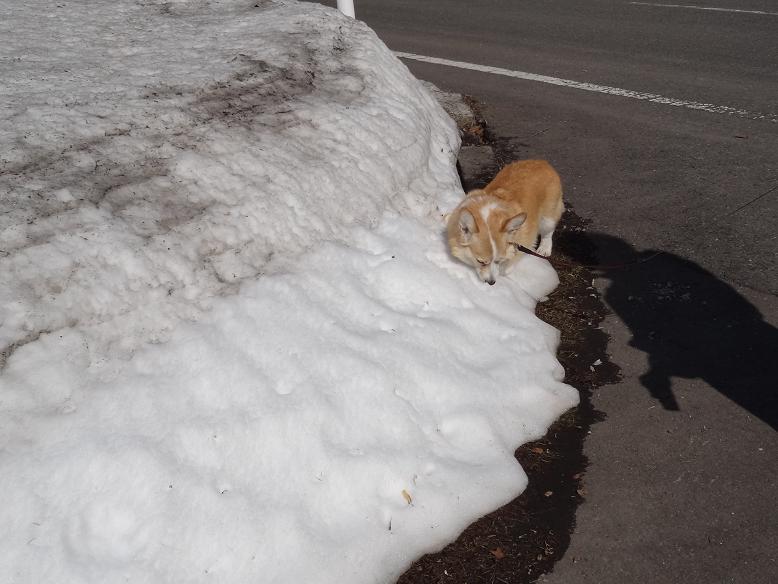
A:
(161, 153)
(234, 347)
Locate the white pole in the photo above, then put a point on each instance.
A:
(346, 7)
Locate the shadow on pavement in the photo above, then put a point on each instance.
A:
(691, 325)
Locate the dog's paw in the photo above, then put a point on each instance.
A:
(544, 248)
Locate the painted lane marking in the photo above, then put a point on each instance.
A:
(695, 105)
(691, 6)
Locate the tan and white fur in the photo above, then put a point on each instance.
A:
(523, 201)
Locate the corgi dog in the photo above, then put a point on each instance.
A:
(523, 201)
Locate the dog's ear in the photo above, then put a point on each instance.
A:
(513, 224)
(467, 226)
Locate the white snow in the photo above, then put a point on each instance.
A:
(233, 345)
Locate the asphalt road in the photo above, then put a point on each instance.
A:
(682, 478)
(655, 174)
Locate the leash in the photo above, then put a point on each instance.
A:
(523, 249)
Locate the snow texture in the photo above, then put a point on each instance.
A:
(233, 346)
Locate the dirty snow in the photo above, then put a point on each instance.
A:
(232, 344)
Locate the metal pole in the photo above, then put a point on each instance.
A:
(346, 7)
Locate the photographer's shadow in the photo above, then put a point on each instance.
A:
(691, 325)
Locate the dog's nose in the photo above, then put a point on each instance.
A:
(490, 282)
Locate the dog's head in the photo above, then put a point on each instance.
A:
(480, 231)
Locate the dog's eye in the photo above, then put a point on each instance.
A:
(482, 262)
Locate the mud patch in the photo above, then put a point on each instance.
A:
(257, 88)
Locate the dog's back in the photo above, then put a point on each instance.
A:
(532, 185)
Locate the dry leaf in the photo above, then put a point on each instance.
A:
(498, 553)
(407, 497)
(538, 450)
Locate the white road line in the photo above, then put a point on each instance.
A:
(708, 107)
(762, 12)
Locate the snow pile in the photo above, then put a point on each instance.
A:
(163, 152)
(234, 347)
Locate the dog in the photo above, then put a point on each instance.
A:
(523, 201)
